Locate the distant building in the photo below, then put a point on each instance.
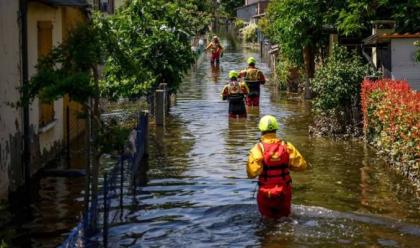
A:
(252, 9)
(393, 53)
(48, 24)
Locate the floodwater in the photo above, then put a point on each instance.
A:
(194, 191)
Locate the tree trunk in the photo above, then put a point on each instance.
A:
(309, 61)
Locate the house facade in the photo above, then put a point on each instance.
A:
(252, 9)
(394, 54)
(11, 123)
(48, 23)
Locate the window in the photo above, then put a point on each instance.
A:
(46, 109)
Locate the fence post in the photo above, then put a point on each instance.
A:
(164, 87)
(105, 221)
(121, 185)
(151, 99)
(160, 109)
(68, 136)
(145, 125)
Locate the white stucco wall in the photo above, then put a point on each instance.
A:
(40, 12)
(404, 65)
(10, 117)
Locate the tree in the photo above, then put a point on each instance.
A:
(297, 26)
(153, 40)
(354, 16)
(230, 6)
(145, 43)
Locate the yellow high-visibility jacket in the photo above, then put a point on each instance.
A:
(255, 159)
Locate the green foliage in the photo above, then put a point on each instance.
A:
(229, 6)
(294, 25)
(145, 43)
(249, 33)
(113, 137)
(153, 46)
(337, 83)
(239, 23)
(263, 23)
(354, 16)
(289, 75)
(68, 68)
(3, 244)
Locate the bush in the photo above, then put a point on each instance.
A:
(337, 83)
(239, 23)
(337, 89)
(249, 33)
(391, 118)
(289, 75)
(3, 244)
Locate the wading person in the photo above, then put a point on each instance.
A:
(235, 93)
(253, 79)
(216, 50)
(271, 160)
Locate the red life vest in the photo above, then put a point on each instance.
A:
(275, 165)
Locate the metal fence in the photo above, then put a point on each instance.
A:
(106, 207)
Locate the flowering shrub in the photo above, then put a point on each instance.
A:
(391, 115)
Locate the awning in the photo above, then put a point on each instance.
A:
(385, 38)
(376, 39)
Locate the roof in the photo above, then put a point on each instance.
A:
(385, 38)
(402, 36)
(78, 3)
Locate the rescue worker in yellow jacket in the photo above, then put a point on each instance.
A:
(253, 78)
(271, 160)
(235, 93)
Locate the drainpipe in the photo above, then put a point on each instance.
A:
(26, 158)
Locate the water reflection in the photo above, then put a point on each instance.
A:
(215, 73)
(197, 193)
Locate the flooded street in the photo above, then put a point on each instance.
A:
(194, 191)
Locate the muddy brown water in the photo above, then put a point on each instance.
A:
(194, 192)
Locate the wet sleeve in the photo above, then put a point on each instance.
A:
(224, 93)
(296, 160)
(261, 77)
(254, 164)
(245, 88)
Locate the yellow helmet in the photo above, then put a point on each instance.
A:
(268, 123)
(233, 74)
(251, 60)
